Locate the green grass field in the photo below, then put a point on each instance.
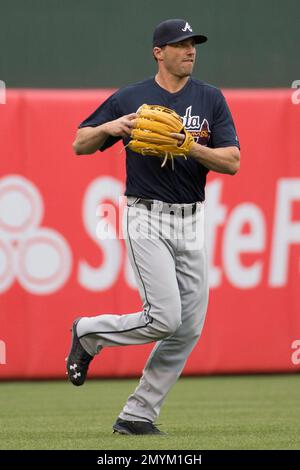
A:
(240, 412)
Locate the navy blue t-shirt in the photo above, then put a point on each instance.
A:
(205, 114)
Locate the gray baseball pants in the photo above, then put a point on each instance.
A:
(168, 256)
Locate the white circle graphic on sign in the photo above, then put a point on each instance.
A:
(21, 207)
(44, 261)
(7, 275)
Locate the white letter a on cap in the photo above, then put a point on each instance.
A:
(187, 27)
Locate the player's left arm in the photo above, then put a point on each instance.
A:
(222, 159)
(222, 156)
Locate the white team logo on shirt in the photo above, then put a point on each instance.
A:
(187, 28)
(200, 132)
(189, 121)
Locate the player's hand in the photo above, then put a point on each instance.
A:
(121, 127)
(179, 137)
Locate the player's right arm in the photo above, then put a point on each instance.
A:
(90, 139)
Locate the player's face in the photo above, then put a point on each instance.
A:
(179, 58)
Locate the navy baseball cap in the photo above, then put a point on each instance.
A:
(171, 31)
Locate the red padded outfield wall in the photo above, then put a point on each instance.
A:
(54, 268)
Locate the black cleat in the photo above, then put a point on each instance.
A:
(135, 427)
(78, 360)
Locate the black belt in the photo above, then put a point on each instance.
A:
(167, 207)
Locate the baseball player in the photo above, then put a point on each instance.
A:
(171, 270)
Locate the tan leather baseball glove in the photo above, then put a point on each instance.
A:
(152, 131)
